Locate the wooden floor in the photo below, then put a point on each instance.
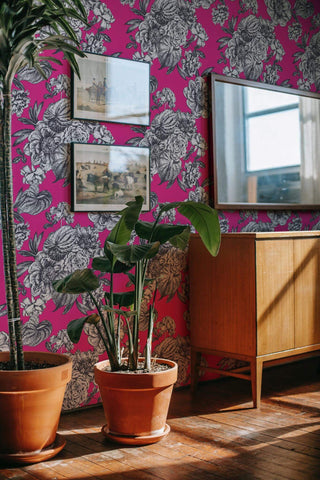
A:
(214, 435)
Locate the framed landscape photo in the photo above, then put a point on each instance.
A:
(111, 89)
(105, 177)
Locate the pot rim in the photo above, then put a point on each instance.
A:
(63, 358)
(138, 380)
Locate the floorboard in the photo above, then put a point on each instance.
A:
(215, 434)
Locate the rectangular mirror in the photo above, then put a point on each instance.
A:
(266, 145)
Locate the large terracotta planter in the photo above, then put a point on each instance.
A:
(136, 404)
(30, 408)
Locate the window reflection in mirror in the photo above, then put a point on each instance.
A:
(266, 145)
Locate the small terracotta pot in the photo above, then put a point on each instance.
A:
(136, 404)
(30, 405)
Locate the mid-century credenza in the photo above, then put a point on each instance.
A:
(258, 301)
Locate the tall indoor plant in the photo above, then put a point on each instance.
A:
(123, 255)
(31, 394)
(22, 45)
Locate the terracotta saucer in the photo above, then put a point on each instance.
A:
(135, 440)
(34, 457)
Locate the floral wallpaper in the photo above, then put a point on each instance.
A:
(272, 41)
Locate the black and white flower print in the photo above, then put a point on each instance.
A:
(103, 221)
(196, 94)
(294, 31)
(246, 5)
(60, 343)
(190, 63)
(309, 57)
(32, 176)
(102, 15)
(250, 45)
(199, 34)
(280, 11)
(32, 201)
(32, 75)
(200, 145)
(34, 331)
(191, 174)
(168, 143)
(64, 251)
(316, 20)
(101, 134)
(166, 30)
(203, 3)
(165, 97)
(46, 150)
(20, 101)
(76, 132)
(199, 194)
(33, 307)
(94, 43)
(4, 342)
(128, 2)
(304, 8)
(22, 233)
(278, 218)
(295, 224)
(82, 376)
(60, 213)
(271, 74)
(59, 84)
(220, 14)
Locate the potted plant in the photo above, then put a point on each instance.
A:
(30, 391)
(135, 390)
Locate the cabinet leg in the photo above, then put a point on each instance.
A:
(195, 365)
(256, 381)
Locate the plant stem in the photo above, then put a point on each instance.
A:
(110, 342)
(8, 235)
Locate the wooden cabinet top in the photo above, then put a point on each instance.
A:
(270, 235)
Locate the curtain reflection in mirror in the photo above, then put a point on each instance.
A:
(310, 150)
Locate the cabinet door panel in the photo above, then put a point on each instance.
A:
(222, 296)
(275, 295)
(307, 291)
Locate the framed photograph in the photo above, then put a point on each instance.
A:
(105, 177)
(111, 89)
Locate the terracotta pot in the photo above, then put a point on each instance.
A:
(136, 404)
(30, 407)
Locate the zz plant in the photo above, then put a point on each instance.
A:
(21, 45)
(121, 256)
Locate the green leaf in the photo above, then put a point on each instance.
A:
(181, 241)
(206, 221)
(103, 264)
(118, 311)
(74, 329)
(80, 281)
(133, 253)
(123, 299)
(161, 232)
(121, 232)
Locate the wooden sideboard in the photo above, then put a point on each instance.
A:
(257, 301)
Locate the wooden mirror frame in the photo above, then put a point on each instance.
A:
(213, 154)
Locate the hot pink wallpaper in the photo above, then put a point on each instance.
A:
(272, 41)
